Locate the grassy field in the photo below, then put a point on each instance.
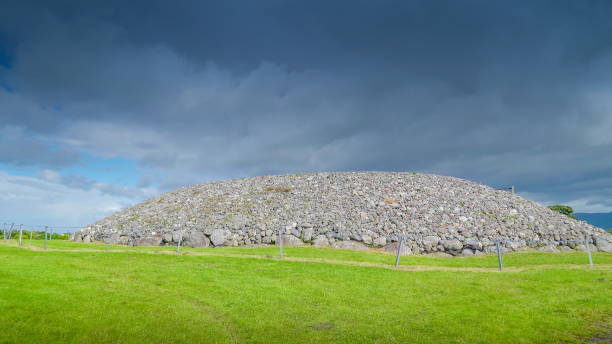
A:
(76, 293)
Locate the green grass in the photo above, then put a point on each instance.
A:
(519, 259)
(72, 296)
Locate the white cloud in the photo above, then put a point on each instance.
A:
(34, 201)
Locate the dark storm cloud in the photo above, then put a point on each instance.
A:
(83, 183)
(499, 92)
(18, 149)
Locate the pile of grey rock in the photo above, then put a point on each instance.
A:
(353, 210)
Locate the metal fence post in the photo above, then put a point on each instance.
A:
(178, 245)
(588, 249)
(4, 230)
(399, 252)
(499, 257)
(20, 234)
(280, 241)
(46, 237)
(106, 241)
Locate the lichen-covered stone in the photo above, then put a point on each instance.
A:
(291, 240)
(350, 245)
(196, 239)
(217, 237)
(392, 248)
(148, 241)
(321, 241)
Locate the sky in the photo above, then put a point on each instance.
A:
(104, 104)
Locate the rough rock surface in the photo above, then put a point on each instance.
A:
(435, 214)
(350, 245)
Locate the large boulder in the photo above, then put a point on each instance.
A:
(148, 241)
(380, 241)
(452, 245)
(217, 238)
(603, 245)
(473, 244)
(123, 240)
(196, 239)
(320, 241)
(350, 245)
(392, 248)
(111, 239)
(307, 234)
(291, 240)
(430, 243)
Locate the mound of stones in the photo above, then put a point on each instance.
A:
(353, 210)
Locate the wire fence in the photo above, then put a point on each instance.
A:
(13, 231)
(499, 247)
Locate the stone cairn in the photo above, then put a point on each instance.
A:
(353, 210)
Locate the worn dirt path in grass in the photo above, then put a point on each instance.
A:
(330, 261)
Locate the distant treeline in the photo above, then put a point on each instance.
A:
(34, 235)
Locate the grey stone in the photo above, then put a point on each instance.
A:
(148, 241)
(467, 252)
(440, 254)
(196, 239)
(603, 245)
(549, 248)
(380, 241)
(473, 244)
(452, 245)
(392, 248)
(291, 240)
(320, 240)
(296, 232)
(112, 240)
(307, 234)
(167, 237)
(123, 240)
(177, 236)
(355, 236)
(350, 245)
(217, 238)
(430, 243)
